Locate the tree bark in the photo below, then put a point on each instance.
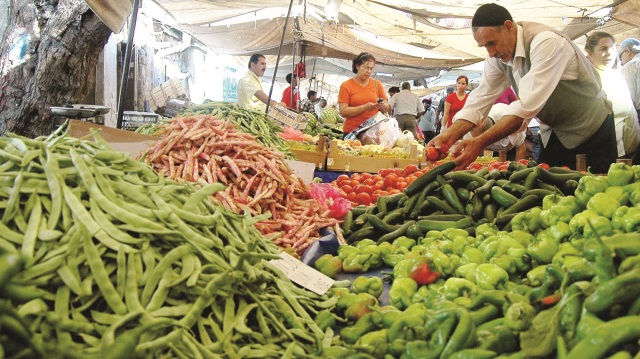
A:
(61, 42)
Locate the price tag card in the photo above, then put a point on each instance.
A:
(303, 274)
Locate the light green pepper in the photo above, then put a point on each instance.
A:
(490, 276)
(603, 205)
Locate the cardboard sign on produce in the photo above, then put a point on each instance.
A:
(121, 140)
(302, 274)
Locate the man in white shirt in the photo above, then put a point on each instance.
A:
(497, 112)
(630, 60)
(250, 93)
(554, 82)
(407, 107)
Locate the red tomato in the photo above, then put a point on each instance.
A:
(390, 181)
(394, 191)
(444, 148)
(384, 172)
(363, 198)
(377, 178)
(342, 178)
(352, 196)
(364, 189)
(365, 175)
(347, 189)
(377, 187)
(399, 172)
(401, 185)
(410, 179)
(544, 165)
(374, 197)
(410, 169)
(503, 167)
(432, 154)
(369, 182)
(523, 162)
(354, 183)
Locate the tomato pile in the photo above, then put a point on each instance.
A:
(365, 188)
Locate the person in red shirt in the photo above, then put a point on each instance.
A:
(455, 101)
(286, 94)
(361, 97)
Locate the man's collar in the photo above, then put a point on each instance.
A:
(520, 50)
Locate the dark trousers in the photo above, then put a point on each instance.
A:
(600, 150)
(428, 136)
(407, 123)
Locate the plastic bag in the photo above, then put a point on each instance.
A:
(329, 197)
(384, 133)
(291, 134)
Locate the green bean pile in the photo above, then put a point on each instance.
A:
(121, 261)
(248, 121)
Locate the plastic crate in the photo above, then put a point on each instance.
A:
(285, 117)
(131, 120)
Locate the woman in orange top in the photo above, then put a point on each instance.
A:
(358, 96)
(455, 101)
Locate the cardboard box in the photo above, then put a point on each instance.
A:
(121, 140)
(303, 170)
(285, 117)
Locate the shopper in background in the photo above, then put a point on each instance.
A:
(392, 91)
(554, 81)
(309, 103)
(427, 122)
(507, 97)
(250, 93)
(630, 60)
(361, 97)
(320, 105)
(440, 109)
(601, 51)
(407, 107)
(291, 93)
(455, 101)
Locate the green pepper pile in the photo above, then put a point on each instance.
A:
(560, 279)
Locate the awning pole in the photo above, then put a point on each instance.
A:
(125, 66)
(275, 71)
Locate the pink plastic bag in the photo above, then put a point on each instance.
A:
(329, 197)
(291, 135)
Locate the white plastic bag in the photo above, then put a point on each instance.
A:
(384, 133)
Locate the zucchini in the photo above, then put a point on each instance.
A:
(502, 197)
(391, 236)
(428, 177)
(464, 177)
(522, 205)
(441, 205)
(450, 195)
(427, 225)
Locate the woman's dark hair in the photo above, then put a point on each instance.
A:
(594, 38)
(361, 59)
(254, 59)
(592, 42)
(463, 77)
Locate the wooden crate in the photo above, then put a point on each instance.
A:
(347, 163)
(160, 95)
(317, 157)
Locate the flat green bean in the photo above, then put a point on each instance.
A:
(101, 277)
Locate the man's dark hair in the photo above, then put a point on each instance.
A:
(289, 78)
(361, 59)
(490, 15)
(311, 93)
(254, 59)
(406, 86)
(394, 89)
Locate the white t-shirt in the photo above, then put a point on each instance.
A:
(495, 114)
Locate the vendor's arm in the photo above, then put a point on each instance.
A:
(468, 150)
(264, 98)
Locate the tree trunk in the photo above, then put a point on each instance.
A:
(48, 58)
